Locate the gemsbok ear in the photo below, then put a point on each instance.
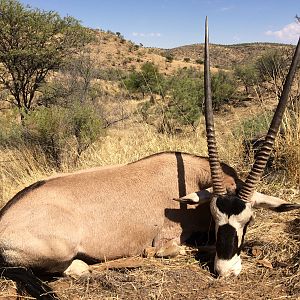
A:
(199, 197)
(273, 203)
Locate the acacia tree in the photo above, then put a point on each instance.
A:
(75, 83)
(247, 74)
(33, 43)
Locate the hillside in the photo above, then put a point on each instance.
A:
(226, 56)
(113, 51)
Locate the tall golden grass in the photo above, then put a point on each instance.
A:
(23, 166)
(288, 147)
(275, 236)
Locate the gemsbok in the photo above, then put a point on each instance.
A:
(232, 213)
(111, 212)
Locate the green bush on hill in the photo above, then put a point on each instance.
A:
(147, 81)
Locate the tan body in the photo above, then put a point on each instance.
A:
(106, 213)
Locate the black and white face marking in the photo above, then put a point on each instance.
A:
(232, 216)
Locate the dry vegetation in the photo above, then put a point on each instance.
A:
(111, 50)
(227, 56)
(271, 255)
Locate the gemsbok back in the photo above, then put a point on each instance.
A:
(119, 211)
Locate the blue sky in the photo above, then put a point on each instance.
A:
(171, 23)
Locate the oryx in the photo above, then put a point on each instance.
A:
(118, 211)
(233, 212)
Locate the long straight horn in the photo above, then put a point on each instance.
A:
(215, 167)
(264, 154)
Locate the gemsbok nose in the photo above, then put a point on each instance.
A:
(225, 267)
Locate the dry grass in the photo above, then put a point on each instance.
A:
(270, 272)
(110, 52)
(289, 147)
(271, 256)
(21, 167)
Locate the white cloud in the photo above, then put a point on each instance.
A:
(226, 8)
(289, 33)
(149, 34)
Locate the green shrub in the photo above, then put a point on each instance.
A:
(62, 132)
(169, 57)
(85, 124)
(247, 74)
(254, 126)
(199, 61)
(181, 107)
(224, 88)
(48, 128)
(10, 130)
(186, 90)
(272, 66)
(147, 81)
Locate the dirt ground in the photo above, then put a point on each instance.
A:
(271, 270)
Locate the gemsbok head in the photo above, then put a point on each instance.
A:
(233, 212)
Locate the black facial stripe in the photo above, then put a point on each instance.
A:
(231, 205)
(227, 242)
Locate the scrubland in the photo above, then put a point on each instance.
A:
(271, 255)
(271, 252)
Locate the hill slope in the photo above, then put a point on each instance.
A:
(113, 51)
(226, 56)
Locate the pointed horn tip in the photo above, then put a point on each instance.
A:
(206, 23)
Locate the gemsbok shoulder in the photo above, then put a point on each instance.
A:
(119, 211)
